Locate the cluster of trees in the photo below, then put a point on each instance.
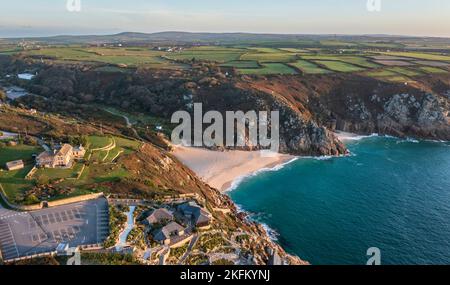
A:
(2, 96)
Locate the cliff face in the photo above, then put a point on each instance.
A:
(362, 105)
(300, 133)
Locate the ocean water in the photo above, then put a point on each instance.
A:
(390, 193)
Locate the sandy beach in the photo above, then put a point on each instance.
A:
(220, 169)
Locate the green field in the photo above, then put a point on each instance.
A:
(405, 71)
(241, 64)
(429, 69)
(308, 67)
(13, 182)
(207, 55)
(116, 56)
(295, 50)
(265, 49)
(98, 141)
(381, 73)
(59, 173)
(355, 60)
(23, 152)
(270, 68)
(252, 57)
(419, 55)
(270, 57)
(339, 66)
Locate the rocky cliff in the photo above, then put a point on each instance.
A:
(418, 109)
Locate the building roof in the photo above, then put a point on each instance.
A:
(45, 155)
(14, 163)
(199, 214)
(65, 150)
(160, 215)
(165, 232)
(78, 148)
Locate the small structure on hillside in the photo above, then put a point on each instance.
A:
(79, 152)
(200, 216)
(15, 165)
(165, 234)
(60, 157)
(160, 216)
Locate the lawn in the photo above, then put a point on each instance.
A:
(308, 67)
(123, 146)
(23, 152)
(98, 141)
(14, 183)
(339, 66)
(270, 68)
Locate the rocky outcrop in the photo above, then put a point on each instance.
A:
(300, 134)
(363, 105)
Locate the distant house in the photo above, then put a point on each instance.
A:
(164, 234)
(62, 157)
(160, 216)
(200, 217)
(15, 165)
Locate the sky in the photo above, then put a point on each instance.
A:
(20, 18)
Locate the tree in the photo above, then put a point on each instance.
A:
(2, 96)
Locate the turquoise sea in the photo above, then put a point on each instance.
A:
(390, 193)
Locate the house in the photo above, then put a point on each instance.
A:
(160, 216)
(79, 152)
(15, 165)
(62, 157)
(165, 234)
(200, 217)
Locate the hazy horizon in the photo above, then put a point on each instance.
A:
(23, 18)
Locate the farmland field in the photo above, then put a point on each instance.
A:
(419, 55)
(394, 62)
(118, 56)
(308, 67)
(405, 71)
(430, 69)
(207, 55)
(339, 66)
(241, 64)
(381, 73)
(270, 68)
(355, 60)
(269, 57)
